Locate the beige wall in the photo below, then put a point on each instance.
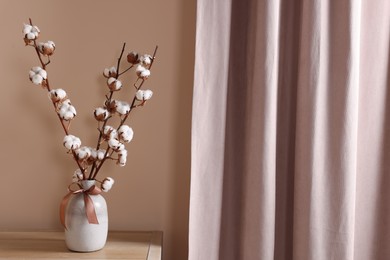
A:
(151, 192)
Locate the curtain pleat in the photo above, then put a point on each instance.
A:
(248, 204)
(326, 133)
(211, 69)
(372, 218)
(290, 146)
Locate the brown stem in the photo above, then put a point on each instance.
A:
(154, 56)
(139, 105)
(119, 61)
(48, 61)
(123, 72)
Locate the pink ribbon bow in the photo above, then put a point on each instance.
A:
(89, 207)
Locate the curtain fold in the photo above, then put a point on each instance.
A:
(211, 69)
(326, 131)
(290, 147)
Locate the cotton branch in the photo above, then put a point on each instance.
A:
(94, 174)
(47, 86)
(115, 138)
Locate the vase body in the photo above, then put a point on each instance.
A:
(80, 235)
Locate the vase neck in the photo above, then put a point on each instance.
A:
(87, 184)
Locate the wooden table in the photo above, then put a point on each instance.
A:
(51, 245)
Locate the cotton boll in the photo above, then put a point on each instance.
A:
(107, 184)
(37, 75)
(100, 154)
(113, 72)
(93, 157)
(146, 59)
(122, 158)
(109, 133)
(114, 84)
(68, 115)
(106, 73)
(115, 145)
(72, 142)
(36, 69)
(67, 111)
(77, 176)
(142, 72)
(132, 57)
(50, 44)
(57, 94)
(101, 114)
(30, 33)
(139, 95)
(110, 72)
(30, 36)
(139, 70)
(83, 152)
(110, 105)
(31, 73)
(26, 28)
(142, 95)
(125, 133)
(93, 153)
(43, 73)
(122, 107)
(67, 102)
(148, 94)
(145, 74)
(46, 48)
(68, 138)
(111, 80)
(35, 30)
(37, 80)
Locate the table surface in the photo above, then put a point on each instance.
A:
(51, 245)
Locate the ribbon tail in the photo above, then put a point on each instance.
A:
(90, 210)
(63, 205)
(94, 190)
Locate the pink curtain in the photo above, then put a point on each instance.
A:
(290, 135)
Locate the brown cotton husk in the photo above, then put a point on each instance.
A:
(132, 57)
(111, 106)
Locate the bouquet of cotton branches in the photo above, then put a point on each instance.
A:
(111, 140)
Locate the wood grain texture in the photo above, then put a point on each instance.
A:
(51, 245)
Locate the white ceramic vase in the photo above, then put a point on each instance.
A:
(80, 235)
